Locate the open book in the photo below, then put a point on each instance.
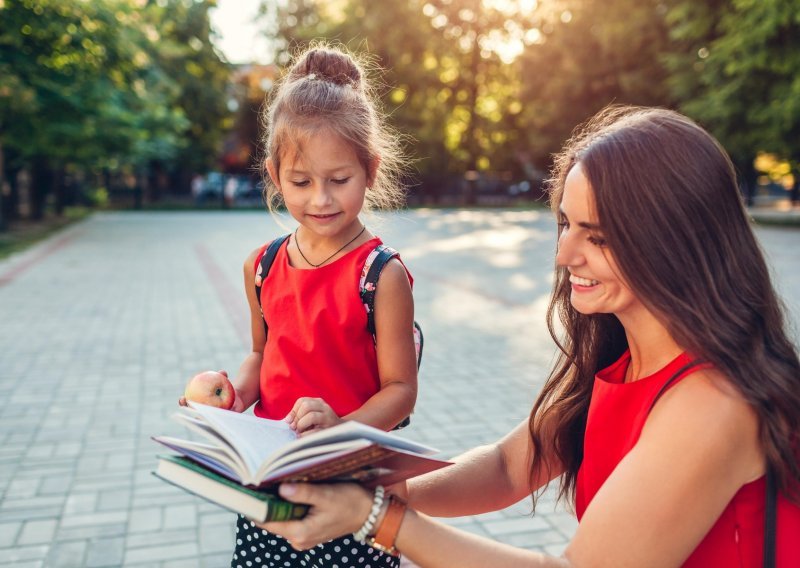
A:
(257, 452)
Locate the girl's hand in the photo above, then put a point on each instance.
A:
(336, 510)
(182, 399)
(310, 414)
(238, 403)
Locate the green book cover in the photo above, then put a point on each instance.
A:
(259, 505)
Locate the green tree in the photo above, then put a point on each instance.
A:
(584, 56)
(735, 67)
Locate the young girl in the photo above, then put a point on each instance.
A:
(676, 394)
(329, 157)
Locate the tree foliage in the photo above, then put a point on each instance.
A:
(106, 86)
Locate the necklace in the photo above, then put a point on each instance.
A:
(297, 243)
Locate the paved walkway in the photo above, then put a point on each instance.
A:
(102, 325)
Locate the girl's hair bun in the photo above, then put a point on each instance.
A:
(327, 65)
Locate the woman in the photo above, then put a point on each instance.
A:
(676, 389)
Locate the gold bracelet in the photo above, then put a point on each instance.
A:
(386, 533)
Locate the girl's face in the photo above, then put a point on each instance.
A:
(324, 186)
(597, 284)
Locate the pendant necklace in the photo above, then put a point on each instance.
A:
(297, 244)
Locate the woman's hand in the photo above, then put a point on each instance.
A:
(311, 414)
(336, 510)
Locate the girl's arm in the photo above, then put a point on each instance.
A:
(699, 447)
(397, 359)
(247, 379)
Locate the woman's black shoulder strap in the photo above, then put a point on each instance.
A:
(770, 508)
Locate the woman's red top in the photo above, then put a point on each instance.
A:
(318, 344)
(617, 414)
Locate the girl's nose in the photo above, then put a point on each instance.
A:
(321, 196)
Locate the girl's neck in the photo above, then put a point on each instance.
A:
(323, 250)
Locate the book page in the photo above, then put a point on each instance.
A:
(253, 438)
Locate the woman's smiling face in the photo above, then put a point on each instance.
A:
(597, 283)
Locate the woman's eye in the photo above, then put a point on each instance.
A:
(599, 241)
(341, 181)
(300, 183)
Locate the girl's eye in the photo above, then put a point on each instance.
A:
(301, 183)
(341, 181)
(598, 241)
(562, 225)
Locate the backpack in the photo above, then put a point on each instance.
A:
(367, 286)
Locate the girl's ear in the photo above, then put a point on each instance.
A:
(373, 170)
(273, 172)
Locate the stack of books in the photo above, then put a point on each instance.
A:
(243, 459)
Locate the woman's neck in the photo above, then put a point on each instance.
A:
(651, 346)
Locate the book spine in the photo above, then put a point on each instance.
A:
(285, 511)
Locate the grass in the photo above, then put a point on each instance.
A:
(23, 234)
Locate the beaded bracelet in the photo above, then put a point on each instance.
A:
(377, 502)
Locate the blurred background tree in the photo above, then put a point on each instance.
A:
(132, 95)
(105, 92)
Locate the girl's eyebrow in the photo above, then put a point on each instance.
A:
(582, 224)
(292, 171)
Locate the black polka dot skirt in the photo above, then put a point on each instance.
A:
(256, 548)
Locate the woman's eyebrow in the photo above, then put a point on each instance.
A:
(582, 224)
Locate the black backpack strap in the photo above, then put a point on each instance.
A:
(263, 269)
(770, 520)
(368, 285)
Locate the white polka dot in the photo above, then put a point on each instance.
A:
(238, 541)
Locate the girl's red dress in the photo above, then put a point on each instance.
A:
(318, 344)
(617, 414)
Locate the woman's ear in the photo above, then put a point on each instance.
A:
(373, 170)
(273, 172)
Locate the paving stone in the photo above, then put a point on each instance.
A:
(23, 553)
(37, 532)
(105, 552)
(8, 533)
(67, 554)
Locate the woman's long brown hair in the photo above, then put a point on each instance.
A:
(670, 210)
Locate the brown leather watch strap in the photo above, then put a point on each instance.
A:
(390, 525)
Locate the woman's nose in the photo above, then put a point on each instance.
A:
(567, 253)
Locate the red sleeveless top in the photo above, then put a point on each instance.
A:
(617, 413)
(318, 344)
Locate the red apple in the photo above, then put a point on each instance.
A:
(211, 388)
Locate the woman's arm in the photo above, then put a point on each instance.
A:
(247, 379)
(397, 359)
(699, 446)
(423, 540)
(483, 479)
